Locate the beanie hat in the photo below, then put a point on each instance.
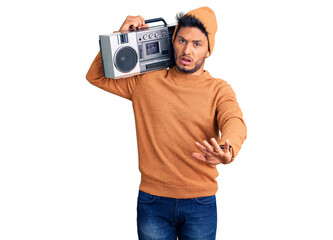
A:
(207, 17)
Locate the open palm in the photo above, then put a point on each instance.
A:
(213, 154)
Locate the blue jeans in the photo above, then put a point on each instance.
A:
(162, 218)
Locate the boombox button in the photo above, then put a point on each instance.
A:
(145, 37)
(151, 35)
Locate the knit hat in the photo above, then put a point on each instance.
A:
(207, 17)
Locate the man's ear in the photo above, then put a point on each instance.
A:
(207, 54)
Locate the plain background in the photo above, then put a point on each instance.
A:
(68, 153)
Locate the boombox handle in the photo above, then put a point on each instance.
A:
(156, 20)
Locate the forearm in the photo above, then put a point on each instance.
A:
(235, 131)
(122, 87)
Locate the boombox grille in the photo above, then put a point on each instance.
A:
(125, 59)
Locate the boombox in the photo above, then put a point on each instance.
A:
(134, 52)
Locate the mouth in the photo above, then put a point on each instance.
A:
(185, 60)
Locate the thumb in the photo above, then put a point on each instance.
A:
(226, 145)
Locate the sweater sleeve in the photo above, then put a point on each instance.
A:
(230, 119)
(122, 87)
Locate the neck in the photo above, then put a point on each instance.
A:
(190, 73)
(189, 77)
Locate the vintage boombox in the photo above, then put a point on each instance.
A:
(134, 52)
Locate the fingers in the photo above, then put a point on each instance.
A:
(216, 146)
(203, 149)
(226, 146)
(208, 146)
(199, 157)
(142, 21)
(133, 22)
(144, 26)
(213, 154)
(208, 160)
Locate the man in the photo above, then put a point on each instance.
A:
(175, 109)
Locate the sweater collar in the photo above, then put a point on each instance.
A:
(179, 76)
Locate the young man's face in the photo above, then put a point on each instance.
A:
(191, 50)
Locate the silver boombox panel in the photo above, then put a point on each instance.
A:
(134, 52)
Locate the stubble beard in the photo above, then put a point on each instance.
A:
(197, 66)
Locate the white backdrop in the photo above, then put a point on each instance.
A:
(68, 150)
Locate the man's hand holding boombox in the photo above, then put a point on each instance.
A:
(133, 22)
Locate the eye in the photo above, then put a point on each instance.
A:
(197, 44)
(181, 40)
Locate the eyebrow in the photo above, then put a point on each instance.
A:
(192, 40)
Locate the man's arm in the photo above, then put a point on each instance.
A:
(230, 120)
(124, 86)
(232, 126)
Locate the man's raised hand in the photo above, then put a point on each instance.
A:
(213, 154)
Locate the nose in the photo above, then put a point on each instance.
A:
(187, 49)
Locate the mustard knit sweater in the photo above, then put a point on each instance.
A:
(172, 111)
